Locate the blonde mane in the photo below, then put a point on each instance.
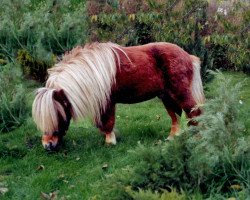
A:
(86, 76)
(45, 110)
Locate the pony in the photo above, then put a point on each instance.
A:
(90, 80)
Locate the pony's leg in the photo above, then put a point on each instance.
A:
(107, 123)
(173, 110)
(110, 138)
(175, 127)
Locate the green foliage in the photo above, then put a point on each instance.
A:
(13, 108)
(3, 60)
(212, 158)
(197, 26)
(45, 28)
(220, 142)
(76, 170)
(31, 67)
(40, 29)
(164, 195)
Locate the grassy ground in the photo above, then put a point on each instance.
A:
(74, 172)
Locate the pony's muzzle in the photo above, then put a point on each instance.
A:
(50, 142)
(49, 146)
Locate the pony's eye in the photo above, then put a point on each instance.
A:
(55, 133)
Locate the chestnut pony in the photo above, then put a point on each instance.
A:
(90, 80)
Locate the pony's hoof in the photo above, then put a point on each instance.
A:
(110, 139)
(110, 143)
(170, 138)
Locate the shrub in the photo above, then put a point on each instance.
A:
(35, 31)
(33, 67)
(45, 28)
(220, 147)
(212, 158)
(13, 106)
(3, 60)
(197, 26)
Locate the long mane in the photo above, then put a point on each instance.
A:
(86, 74)
(45, 110)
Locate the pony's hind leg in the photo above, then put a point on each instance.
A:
(106, 125)
(173, 110)
(175, 127)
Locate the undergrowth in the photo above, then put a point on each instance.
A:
(212, 159)
(13, 105)
(42, 30)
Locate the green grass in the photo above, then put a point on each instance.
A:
(77, 169)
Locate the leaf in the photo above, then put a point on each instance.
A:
(78, 158)
(53, 195)
(44, 196)
(40, 167)
(104, 166)
(158, 117)
(3, 190)
(236, 187)
(50, 196)
(158, 142)
(94, 18)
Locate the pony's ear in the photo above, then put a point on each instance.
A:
(60, 96)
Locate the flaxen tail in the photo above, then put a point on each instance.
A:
(196, 87)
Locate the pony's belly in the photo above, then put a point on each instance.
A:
(136, 94)
(138, 88)
(130, 99)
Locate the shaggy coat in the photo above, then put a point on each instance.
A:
(92, 79)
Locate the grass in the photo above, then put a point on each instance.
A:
(84, 160)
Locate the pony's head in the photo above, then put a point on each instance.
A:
(51, 112)
(78, 86)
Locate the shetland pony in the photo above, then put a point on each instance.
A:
(90, 80)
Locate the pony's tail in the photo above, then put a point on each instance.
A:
(196, 86)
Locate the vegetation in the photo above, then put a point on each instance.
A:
(13, 106)
(197, 161)
(35, 32)
(41, 29)
(210, 161)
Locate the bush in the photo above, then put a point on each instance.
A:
(197, 26)
(219, 146)
(45, 28)
(33, 67)
(212, 159)
(38, 31)
(13, 106)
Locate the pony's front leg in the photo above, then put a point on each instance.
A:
(110, 138)
(106, 125)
